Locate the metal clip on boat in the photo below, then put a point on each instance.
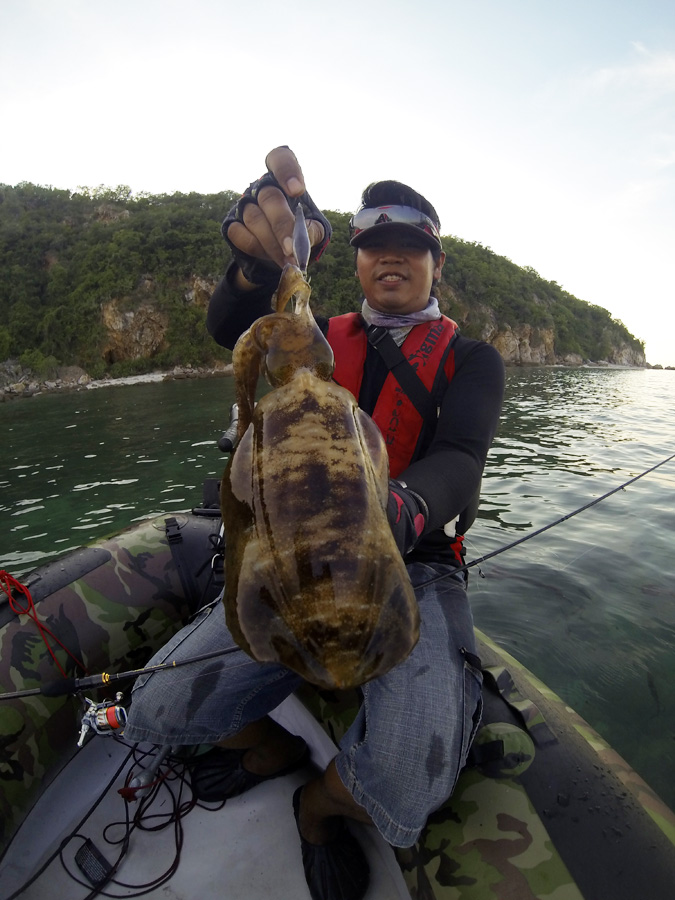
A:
(228, 439)
(149, 775)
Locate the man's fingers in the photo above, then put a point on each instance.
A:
(243, 240)
(282, 163)
(272, 223)
(316, 232)
(266, 227)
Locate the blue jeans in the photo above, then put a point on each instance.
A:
(400, 758)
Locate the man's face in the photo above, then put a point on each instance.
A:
(396, 271)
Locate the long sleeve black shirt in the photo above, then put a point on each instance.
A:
(449, 474)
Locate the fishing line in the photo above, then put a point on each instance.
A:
(532, 534)
(74, 685)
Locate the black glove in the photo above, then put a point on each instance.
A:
(264, 271)
(407, 513)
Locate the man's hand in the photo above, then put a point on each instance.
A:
(407, 514)
(284, 165)
(261, 224)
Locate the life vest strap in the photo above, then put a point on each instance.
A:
(395, 360)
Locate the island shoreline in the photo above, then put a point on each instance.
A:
(27, 384)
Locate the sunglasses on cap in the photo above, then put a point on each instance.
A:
(364, 220)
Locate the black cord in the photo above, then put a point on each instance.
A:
(64, 842)
(175, 770)
(142, 816)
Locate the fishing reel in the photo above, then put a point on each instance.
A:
(103, 718)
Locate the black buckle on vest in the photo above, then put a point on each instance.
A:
(376, 334)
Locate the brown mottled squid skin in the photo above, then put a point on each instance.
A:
(314, 579)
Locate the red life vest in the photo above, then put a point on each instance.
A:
(427, 348)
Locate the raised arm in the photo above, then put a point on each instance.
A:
(259, 231)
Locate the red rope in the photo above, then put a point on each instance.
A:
(10, 586)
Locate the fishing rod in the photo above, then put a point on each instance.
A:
(532, 534)
(65, 686)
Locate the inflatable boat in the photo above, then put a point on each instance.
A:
(544, 809)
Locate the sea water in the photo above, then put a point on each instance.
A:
(588, 605)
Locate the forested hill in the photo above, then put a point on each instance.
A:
(119, 283)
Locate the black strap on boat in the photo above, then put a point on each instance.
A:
(177, 546)
(484, 754)
(499, 680)
(395, 360)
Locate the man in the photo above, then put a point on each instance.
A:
(436, 396)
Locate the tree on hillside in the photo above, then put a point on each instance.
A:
(64, 255)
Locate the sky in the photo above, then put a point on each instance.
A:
(544, 130)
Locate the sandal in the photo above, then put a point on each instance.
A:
(220, 774)
(337, 870)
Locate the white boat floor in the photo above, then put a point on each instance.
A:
(247, 850)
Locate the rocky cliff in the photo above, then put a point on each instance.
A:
(133, 333)
(523, 344)
(140, 332)
(135, 326)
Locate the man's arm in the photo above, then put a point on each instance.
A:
(449, 474)
(233, 310)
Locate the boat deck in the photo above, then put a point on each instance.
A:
(246, 850)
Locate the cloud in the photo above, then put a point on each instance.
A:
(650, 74)
(664, 158)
